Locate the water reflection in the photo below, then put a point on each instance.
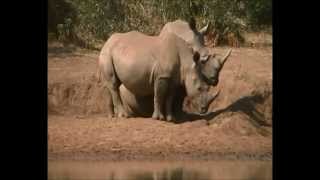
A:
(159, 170)
(173, 174)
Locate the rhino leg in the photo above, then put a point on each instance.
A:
(113, 85)
(160, 90)
(117, 103)
(169, 105)
(178, 101)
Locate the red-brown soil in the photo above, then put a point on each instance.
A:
(239, 125)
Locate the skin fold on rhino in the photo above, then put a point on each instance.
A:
(151, 66)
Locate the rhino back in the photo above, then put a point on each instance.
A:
(183, 30)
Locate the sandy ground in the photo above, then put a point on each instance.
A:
(239, 125)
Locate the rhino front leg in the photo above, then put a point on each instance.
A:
(112, 83)
(169, 105)
(179, 96)
(160, 90)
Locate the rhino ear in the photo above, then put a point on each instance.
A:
(205, 29)
(196, 57)
(192, 24)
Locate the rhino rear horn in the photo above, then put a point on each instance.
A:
(203, 31)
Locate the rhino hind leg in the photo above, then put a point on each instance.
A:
(118, 108)
(113, 85)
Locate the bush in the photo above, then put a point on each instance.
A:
(88, 21)
(259, 13)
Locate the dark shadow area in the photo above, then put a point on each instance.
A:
(68, 50)
(245, 104)
(59, 50)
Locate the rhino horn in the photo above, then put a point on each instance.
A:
(203, 31)
(212, 98)
(225, 57)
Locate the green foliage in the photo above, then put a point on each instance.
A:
(259, 12)
(87, 21)
(58, 12)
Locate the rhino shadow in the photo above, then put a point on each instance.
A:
(244, 104)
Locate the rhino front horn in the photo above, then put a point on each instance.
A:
(225, 57)
(213, 97)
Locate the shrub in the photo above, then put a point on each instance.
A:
(88, 21)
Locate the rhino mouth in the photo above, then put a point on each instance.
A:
(202, 113)
(214, 82)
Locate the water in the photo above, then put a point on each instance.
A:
(184, 170)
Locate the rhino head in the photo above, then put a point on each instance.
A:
(197, 86)
(194, 81)
(196, 38)
(210, 66)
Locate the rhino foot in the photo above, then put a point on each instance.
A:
(122, 114)
(170, 118)
(158, 116)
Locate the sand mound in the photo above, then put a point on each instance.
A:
(238, 123)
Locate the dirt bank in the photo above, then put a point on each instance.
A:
(238, 125)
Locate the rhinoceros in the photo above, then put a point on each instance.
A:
(210, 65)
(150, 66)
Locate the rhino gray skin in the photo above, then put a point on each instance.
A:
(150, 66)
